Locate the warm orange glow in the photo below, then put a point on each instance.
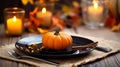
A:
(14, 19)
(95, 11)
(14, 25)
(43, 10)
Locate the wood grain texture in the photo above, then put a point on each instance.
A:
(8, 40)
(111, 61)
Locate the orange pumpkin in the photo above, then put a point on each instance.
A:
(56, 40)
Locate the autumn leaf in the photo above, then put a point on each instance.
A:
(25, 2)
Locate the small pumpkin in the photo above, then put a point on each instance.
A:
(56, 40)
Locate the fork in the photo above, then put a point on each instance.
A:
(18, 56)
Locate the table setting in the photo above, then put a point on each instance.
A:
(54, 34)
(65, 59)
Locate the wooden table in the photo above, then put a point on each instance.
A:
(111, 61)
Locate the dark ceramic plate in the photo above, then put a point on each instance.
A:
(46, 53)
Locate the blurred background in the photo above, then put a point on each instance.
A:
(70, 8)
(29, 7)
(8, 3)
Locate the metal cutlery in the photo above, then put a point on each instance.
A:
(103, 49)
(18, 56)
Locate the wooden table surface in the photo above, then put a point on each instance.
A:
(111, 61)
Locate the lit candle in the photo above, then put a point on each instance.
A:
(45, 16)
(14, 26)
(95, 12)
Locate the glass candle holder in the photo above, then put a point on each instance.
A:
(94, 13)
(13, 19)
(44, 13)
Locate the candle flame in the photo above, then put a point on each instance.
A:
(95, 5)
(43, 10)
(14, 19)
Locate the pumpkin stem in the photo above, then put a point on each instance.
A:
(57, 31)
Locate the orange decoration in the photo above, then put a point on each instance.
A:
(56, 40)
(57, 23)
(110, 22)
(36, 21)
(42, 31)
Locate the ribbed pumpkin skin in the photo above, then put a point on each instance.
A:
(56, 42)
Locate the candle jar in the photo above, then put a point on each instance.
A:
(44, 13)
(13, 20)
(94, 13)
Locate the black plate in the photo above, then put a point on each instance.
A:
(55, 54)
